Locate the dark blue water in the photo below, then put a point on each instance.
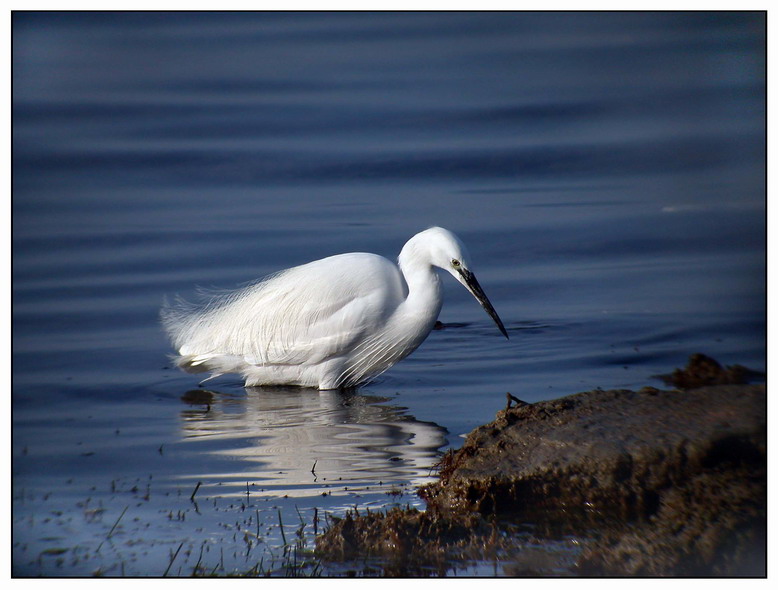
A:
(606, 170)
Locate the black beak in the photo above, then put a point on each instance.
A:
(475, 289)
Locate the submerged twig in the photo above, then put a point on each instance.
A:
(513, 398)
(281, 525)
(172, 559)
(116, 523)
(197, 487)
(108, 536)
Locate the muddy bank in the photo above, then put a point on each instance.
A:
(651, 483)
(612, 452)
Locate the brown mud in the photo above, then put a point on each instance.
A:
(600, 483)
(701, 370)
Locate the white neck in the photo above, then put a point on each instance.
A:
(425, 294)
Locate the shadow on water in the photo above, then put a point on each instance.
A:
(241, 484)
(292, 441)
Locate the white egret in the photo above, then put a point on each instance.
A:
(332, 323)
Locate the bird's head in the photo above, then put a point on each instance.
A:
(446, 251)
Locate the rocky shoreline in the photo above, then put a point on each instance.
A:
(635, 483)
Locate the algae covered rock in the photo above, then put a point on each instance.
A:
(647, 483)
(605, 451)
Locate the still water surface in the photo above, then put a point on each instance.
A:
(607, 172)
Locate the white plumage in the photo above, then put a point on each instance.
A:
(332, 323)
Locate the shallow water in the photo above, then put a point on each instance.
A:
(607, 172)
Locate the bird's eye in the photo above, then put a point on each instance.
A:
(455, 263)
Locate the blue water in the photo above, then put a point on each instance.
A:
(606, 170)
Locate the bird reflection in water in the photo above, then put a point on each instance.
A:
(302, 442)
